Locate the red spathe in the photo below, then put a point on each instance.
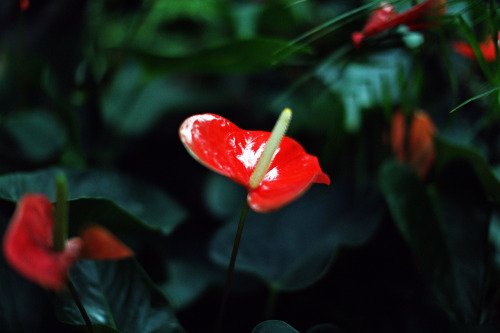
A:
(28, 244)
(226, 149)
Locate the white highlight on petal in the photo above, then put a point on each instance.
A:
(186, 130)
(248, 156)
(271, 174)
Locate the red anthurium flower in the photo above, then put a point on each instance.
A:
(417, 146)
(487, 49)
(418, 17)
(24, 4)
(226, 149)
(28, 244)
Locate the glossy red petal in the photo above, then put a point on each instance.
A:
(27, 244)
(223, 147)
(292, 172)
(100, 243)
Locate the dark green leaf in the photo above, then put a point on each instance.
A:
(97, 195)
(188, 279)
(293, 247)
(132, 105)
(37, 135)
(448, 152)
(369, 81)
(274, 326)
(239, 56)
(446, 226)
(118, 295)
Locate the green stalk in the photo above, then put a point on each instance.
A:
(232, 262)
(61, 213)
(61, 236)
(80, 306)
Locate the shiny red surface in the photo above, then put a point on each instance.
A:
(226, 149)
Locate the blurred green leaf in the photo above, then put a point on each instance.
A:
(37, 135)
(234, 57)
(223, 197)
(293, 247)
(97, 195)
(188, 279)
(274, 326)
(118, 295)
(448, 152)
(446, 226)
(132, 104)
(366, 82)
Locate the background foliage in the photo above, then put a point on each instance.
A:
(99, 88)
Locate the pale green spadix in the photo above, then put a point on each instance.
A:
(272, 144)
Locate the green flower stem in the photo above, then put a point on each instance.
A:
(80, 306)
(61, 213)
(272, 300)
(61, 236)
(232, 262)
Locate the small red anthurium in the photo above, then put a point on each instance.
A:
(28, 244)
(487, 49)
(418, 17)
(235, 153)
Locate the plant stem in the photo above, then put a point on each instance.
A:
(232, 262)
(80, 306)
(272, 300)
(61, 213)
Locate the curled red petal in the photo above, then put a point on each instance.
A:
(223, 147)
(292, 172)
(28, 244)
(100, 243)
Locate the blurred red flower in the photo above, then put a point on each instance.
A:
(416, 146)
(24, 4)
(226, 149)
(28, 244)
(487, 49)
(418, 17)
